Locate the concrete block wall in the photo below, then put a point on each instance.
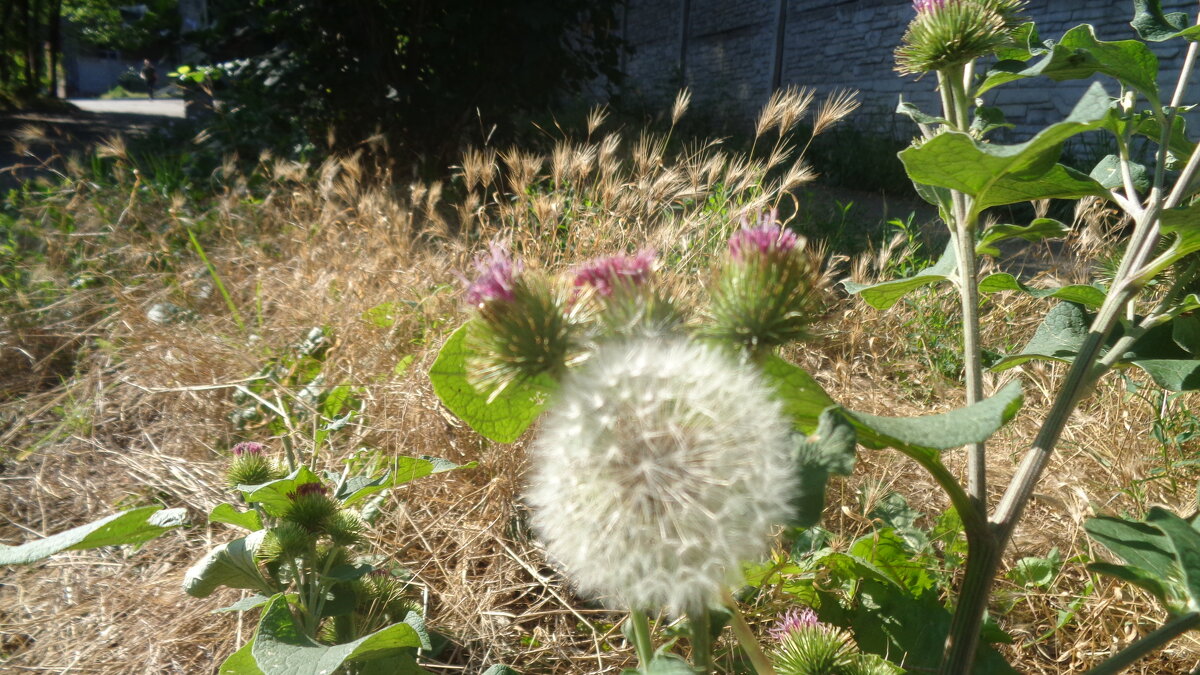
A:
(733, 53)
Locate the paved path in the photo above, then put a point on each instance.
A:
(29, 139)
(163, 107)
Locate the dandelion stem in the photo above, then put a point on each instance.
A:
(640, 627)
(745, 636)
(701, 625)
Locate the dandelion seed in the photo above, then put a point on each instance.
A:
(660, 468)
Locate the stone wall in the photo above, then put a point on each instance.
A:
(733, 54)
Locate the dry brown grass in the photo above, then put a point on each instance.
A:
(142, 416)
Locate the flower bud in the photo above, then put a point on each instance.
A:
(949, 33)
(769, 291)
(310, 507)
(346, 528)
(524, 330)
(283, 542)
(627, 302)
(250, 466)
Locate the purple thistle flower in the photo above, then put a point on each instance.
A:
(308, 489)
(497, 273)
(795, 619)
(247, 448)
(606, 274)
(766, 237)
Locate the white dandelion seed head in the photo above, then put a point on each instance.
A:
(660, 467)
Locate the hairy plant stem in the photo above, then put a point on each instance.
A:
(956, 107)
(640, 625)
(745, 636)
(983, 565)
(1151, 642)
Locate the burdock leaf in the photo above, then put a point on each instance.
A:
(274, 495)
(231, 564)
(135, 526)
(228, 514)
(503, 418)
(1185, 541)
(1152, 24)
(1090, 296)
(1058, 337)
(887, 293)
(281, 647)
(1172, 374)
(1079, 55)
(1039, 229)
(241, 662)
(829, 450)
(403, 470)
(802, 397)
(997, 174)
(931, 434)
(1107, 172)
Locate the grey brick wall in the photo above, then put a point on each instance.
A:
(729, 54)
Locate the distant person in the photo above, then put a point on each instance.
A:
(149, 75)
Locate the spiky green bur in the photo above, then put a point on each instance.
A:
(251, 466)
(346, 528)
(619, 292)
(951, 33)
(521, 338)
(769, 292)
(285, 541)
(310, 507)
(814, 650)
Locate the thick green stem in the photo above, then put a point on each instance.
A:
(745, 637)
(1152, 642)
(640, 626)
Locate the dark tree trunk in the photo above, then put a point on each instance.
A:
(55, 44)
(27, 38)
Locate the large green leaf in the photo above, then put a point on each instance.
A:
(1039, 229)
(227, 513)
(231, 564)
(1148, 552)
(929, 435)
(996, 174)
(1172, 374)
(1065, 328)
(1107, 172)
(830, 450)
(1079, 55)
(274, 496)
(887, 293)
(1185, 541)
(403, 470)
(505, 416)
(241, 662)
(1090, 296)
(802, 397)
(281, 647)
(1152, 24)
(133, 527)
(500, 669)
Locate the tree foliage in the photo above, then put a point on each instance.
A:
(418, 72)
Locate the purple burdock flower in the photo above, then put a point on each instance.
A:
(309, 489)
(794, 620)
(247, 448)
(607, 274)
(768, 236)
(497, 274)
(928, 5)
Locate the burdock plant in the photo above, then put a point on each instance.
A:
(323, 599)
(665, 460)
